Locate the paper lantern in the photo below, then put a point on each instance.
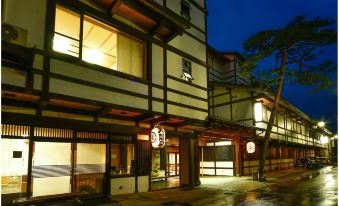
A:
(158, 137)
(250, 146)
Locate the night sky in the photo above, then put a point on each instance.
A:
(231, 22)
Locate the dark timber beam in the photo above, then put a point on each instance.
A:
(143, 117)
(103, 111)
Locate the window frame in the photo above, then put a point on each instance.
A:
(186, 70)
(82, 13)
(185, 10)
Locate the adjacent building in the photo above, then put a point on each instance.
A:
(247, 101)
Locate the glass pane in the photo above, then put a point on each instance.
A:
(67, 32)
(67, 22)
(122, 159)
(14, 163)
(90, 167)
(51, 166)
(99, 44)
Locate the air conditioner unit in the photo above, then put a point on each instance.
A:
(14, 34)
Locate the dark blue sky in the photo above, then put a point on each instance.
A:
(231, 22)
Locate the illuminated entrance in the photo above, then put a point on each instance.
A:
(216, 158)
(166, 165)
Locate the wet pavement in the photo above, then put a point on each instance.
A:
(290, 187)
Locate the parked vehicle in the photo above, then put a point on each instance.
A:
(300, 163)
(313, 163)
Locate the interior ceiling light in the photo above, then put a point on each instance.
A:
(93, 56)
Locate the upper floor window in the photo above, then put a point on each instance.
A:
(186, 70)
(185, 10)
(99, 44)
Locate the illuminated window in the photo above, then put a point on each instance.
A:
(67, 32)
(122, 159)
(101, 44)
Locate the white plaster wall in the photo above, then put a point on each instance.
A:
(197, 17)
(38, 61)
(143, 183)
(195, 32)
(224, 164)
(124, 185)
(186, 88)
(37, 81)
(185, 112)
(242, 110)
(87, 92)
(221, 99)
(158, 93)
(223, 112)
(158, 106)
(32, 18)
(157, 65)
(14, 166)
(13, 77)
(190, 46)
(187, 100)
(83, 73)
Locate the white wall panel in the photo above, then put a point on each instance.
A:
(38, 61)
(187, 100)
(157, 65)
(190, 46)
(195, 32)
(197, 17)
(186, 88)
(143, 183)
(122, 185)
(13, 77)
(223, 112)
(82, 73)
(158, 93)
(37, 81)
(242, 110)
(32, 18)
(185, 112)
(87, 92)
(158, 106)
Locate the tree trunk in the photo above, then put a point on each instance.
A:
(273, 114)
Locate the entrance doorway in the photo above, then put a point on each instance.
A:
(216, 158)
(59, 167)
(165, 165)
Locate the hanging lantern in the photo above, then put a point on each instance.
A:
(250, 146)
(158, 137)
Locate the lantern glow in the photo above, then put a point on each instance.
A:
(158, 137)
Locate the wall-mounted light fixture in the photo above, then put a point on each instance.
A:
(258, 111)
(323, 139)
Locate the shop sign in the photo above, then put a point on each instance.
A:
(250, 146)
(158, 137)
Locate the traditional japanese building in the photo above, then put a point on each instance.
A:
(238, 99)
(84, 83)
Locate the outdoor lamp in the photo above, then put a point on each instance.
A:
(258, 111)
(321, 124)
(323, 139)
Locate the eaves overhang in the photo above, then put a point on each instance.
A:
(219, 128)
(156, 19)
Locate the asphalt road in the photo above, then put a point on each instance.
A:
(317, 190)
